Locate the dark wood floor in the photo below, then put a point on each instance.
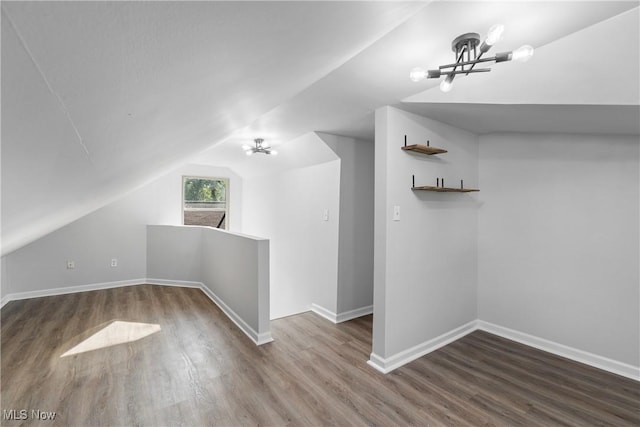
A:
(199, 369)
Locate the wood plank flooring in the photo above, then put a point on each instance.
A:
(199, 369)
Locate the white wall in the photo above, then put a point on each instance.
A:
(3, 271)
(3, 281)
(90, 242)
(355, 252)
(425, 264)
(287, 208)
(233, 268)
(558, 240)
(236, 269)
(174, 253)
(117, 231)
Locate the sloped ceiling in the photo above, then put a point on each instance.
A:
(598, 65)
(586, 82)
(99, 98)
(343, 102)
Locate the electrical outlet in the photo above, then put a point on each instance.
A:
(71, 265)
(114, 262)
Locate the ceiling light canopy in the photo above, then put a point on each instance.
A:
(260, 147)
(469, 52)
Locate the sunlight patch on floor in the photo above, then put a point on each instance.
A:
(117, 332)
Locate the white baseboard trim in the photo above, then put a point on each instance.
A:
(381, 364)
(386, 365)
(327, 314)
(177, 283)
(341, 317)
(378, 363)
(292, 313)
(561, 350)
(71, 289)
(353, 314)
(264, 338)
(389, 364)
(257, 338)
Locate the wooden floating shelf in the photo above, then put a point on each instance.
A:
(424, 149)
(444, 189)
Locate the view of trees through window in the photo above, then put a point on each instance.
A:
(205, 201)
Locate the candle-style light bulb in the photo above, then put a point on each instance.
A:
(447, 83)
(522, 54)
(417, 74)
(494, 34)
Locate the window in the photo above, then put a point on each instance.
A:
(204, 201)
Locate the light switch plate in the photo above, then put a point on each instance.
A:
(396, 213)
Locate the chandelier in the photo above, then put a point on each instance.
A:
(468, 52)
(260, 147)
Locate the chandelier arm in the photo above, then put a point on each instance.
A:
(469, 51)
(478, 70)
(475, 61)
(460, 57)
(478, 57)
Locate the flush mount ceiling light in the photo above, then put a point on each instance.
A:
(260, 147)
(468, 54)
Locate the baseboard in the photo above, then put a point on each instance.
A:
(341, 317)
(177, 283)
(561, 350)
(264, 338)
(378, 363)
(386, 365)
(381, 364)
(70, 290)
(353, 314)
(293, 313)
(389, 364)
(257, 338)
(327, 314)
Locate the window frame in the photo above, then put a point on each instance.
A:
(226, 202)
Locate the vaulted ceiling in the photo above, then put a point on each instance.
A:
(99, 98)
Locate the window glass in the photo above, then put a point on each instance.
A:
(204, 201)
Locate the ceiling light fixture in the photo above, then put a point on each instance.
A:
(469, 52)
(259, 148)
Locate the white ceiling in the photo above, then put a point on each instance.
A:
(533, 118)
(99, 98)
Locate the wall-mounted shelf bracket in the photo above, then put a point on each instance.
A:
(441, 189)
(422, 149)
